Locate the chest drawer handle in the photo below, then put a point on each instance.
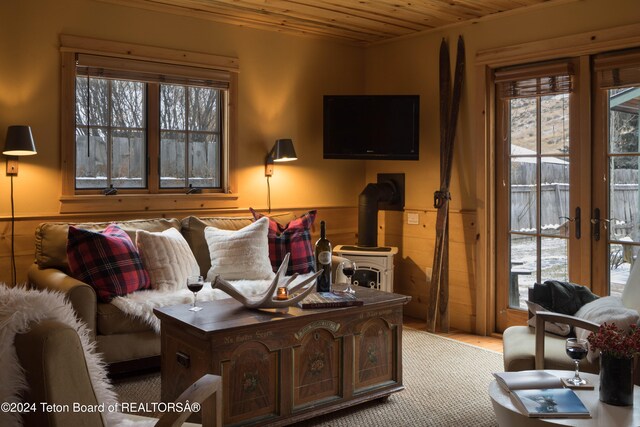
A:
(183, 359)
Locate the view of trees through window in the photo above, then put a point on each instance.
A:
(539, 220)
(112, 134)
(186, 120)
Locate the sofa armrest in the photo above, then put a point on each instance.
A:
(548, 316)
(82, 297)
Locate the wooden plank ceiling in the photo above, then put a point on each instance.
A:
(358, 22)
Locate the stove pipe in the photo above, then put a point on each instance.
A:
(368, 211)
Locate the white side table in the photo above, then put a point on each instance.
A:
(602, 414)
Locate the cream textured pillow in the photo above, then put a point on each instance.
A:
(631, 291)
(605, 310)
(240, 254)
(167, 258)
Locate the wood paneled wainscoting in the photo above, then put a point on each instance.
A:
(412, 263)
(342, 225)
(416, 244)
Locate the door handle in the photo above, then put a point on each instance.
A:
(596, 224)
(577, 220)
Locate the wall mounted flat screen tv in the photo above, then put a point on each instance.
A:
(376, 127)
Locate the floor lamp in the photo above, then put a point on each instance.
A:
(19, 142)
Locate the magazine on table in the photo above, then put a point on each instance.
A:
(550, 403)
(541, 394)
(520, 380)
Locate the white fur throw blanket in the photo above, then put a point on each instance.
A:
(18, 309)
(609, 310)
(140, 304)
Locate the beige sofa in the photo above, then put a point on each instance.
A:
(126, 343)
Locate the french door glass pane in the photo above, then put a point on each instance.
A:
(623, 225)
(555, 258)
(524, 264)
(554, 124)
(554, 196)
(523, 126)
(524, 198)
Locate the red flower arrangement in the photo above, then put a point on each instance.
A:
(615, 342)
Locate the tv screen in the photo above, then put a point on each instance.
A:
(381, 127)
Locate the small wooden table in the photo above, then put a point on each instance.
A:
(602, 414)
(282, 367)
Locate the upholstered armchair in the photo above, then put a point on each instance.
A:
(526, 348)
(57, 373)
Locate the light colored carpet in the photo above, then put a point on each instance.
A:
(446, 385)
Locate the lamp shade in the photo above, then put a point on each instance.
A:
(283, 151)
(19, 142)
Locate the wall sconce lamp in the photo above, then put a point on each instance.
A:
(19, 142)
(282, 151)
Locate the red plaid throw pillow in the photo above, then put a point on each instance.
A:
(295, 238)
(108, 261)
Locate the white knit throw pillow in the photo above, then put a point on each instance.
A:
(167, 258)
(241, 254)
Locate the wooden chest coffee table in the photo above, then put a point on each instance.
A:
(279, 368)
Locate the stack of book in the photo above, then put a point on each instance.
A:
(541, 394)
(329, 300)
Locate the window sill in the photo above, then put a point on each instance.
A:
(146, 203)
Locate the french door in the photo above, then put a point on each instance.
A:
(539, 212)
(567, 175)
(615, 220)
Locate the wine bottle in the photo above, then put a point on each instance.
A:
(323, 260)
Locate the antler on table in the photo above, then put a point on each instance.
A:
(266, 299)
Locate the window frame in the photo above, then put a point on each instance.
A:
(147, 59)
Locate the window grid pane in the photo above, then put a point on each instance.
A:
(110, 133)
(190, 122)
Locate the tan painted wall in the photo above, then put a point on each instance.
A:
(282, 80)
(411, 66)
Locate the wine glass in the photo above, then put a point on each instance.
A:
(195, 284)
(576, 349)
(348, 268)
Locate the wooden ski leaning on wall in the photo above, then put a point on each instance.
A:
(449, 108)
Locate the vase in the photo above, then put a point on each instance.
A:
(616, 380)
